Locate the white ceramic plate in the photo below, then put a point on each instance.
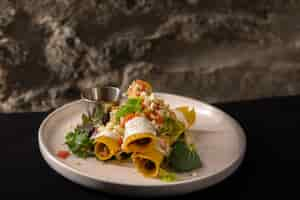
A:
(219, 139)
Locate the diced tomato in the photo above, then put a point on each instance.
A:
(143, 106)
(144, 85)
(159, 119)
(141, 84)
(63, 154)
(120, 141)
(147, 114)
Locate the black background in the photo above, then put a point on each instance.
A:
(270, 169)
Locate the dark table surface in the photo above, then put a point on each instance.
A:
(270, 169)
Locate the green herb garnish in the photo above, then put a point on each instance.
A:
(132, 105)
(172, 128)
(95, 118)
(184, 157)
(166, 176)
(79, 143)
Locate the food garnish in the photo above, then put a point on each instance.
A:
(184, 157)
(63, 154)
(80, 143)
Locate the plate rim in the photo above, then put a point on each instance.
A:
(224, 172)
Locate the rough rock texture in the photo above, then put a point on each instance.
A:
(212, 50)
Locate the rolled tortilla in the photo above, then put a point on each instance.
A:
(107, 144)
(185, 115)
(139, 136)
(148, 163)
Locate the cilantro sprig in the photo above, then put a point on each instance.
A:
(79, 143)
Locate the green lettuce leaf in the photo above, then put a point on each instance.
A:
(184, 157)
(132, 105)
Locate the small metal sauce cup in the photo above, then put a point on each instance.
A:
(101, 94)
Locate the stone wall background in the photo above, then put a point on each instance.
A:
(212, 50)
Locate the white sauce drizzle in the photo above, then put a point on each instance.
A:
(138, 125)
